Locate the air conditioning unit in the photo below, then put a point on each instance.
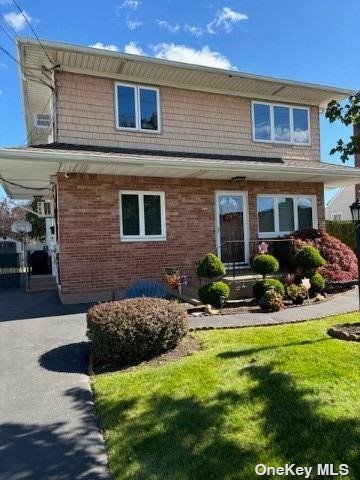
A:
(45, 209)
(42, 120)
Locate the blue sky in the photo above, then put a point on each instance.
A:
(314, 41)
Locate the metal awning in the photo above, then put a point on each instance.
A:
(30, 169)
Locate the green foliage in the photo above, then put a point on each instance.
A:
(211, 267)
(211, 293)
(262, 286)
(344, 230)
(296, 293)
(38, 224)
(130, 331)
(317, 282)
(309, 258)
(272, 301)
(348, 114)
(265, 264)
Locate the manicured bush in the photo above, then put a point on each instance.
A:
(343, 230)
(309, 258)
(272, 301)
(341, 261)
(211, 293)
(211, 267)
(262, 286)
(317, 282)
(265, 264)
(133, 330)
(296, 293)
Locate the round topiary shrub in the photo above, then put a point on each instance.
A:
(262, 286)
(309, 258)
(211, 293)
(211, 267)
(272, 301)
(265, 264)
(317, 282)
(129, 331)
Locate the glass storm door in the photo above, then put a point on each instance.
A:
(232, 233)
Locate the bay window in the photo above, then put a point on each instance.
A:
(282, 214)
(280, 123)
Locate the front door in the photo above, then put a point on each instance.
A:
(232, 233)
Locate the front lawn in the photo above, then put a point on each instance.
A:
(272, 395)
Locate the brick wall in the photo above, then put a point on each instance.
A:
(191, 121)
(92, 257)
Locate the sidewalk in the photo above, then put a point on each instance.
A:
(348, 302)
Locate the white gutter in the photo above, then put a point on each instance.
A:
(185, 163)
(23, 41)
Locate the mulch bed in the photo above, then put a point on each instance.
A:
(187, 346)
(346, 331)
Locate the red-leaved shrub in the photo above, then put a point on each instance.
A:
(341, 260)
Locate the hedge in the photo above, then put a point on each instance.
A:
(344, 230)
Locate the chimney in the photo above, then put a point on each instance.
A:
(357, 160)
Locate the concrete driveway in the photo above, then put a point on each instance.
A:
(48, 427)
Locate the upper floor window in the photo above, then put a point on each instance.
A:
(137, 107)
(281, 123)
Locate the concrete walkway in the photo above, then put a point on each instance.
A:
(48, 427)
(348, 302)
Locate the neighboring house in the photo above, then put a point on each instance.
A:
(153, 163)
(338, 208)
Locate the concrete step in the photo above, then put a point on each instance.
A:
(41, 283)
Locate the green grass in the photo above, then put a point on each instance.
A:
(273, 395)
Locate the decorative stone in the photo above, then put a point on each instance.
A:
(346, 331)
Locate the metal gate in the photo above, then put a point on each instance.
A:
(10, 270)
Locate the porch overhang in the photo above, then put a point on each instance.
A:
(27, 172)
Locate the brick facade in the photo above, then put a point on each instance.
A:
(191, 121)
(92, 257)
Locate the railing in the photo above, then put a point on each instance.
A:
(237, 255)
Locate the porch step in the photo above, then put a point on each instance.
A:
(41, 283)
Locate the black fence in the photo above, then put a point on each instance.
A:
(11, 270)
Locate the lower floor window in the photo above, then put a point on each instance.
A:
(142, 216)
(282, 214)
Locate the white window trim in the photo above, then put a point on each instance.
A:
(276, 197)
(272, 128)
(137, 89)
(142, 237)
(338, 213)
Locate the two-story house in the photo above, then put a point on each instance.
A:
(153, 163)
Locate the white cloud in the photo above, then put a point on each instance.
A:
(181, 53)
(225, 19)
(131, 4)
(133, 48)
(194, 30)
(133, 23)
(102, 46)
(1, 92)
(17, 20)
(172, 28)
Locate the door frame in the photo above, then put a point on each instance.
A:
(244, 194)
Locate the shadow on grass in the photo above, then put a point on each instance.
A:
(253, 351)
(299, 434)
(176, 439)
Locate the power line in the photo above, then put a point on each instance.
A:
(8, 25)
(33, 30)
(6, 33)
(11, 56)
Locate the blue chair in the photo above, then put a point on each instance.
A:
(146, 288)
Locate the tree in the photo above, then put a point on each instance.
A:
(8, 215)
(348, 114)
(38, 224)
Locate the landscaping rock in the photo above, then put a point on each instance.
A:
(346, 331)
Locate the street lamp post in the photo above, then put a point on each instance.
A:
(355, 214)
